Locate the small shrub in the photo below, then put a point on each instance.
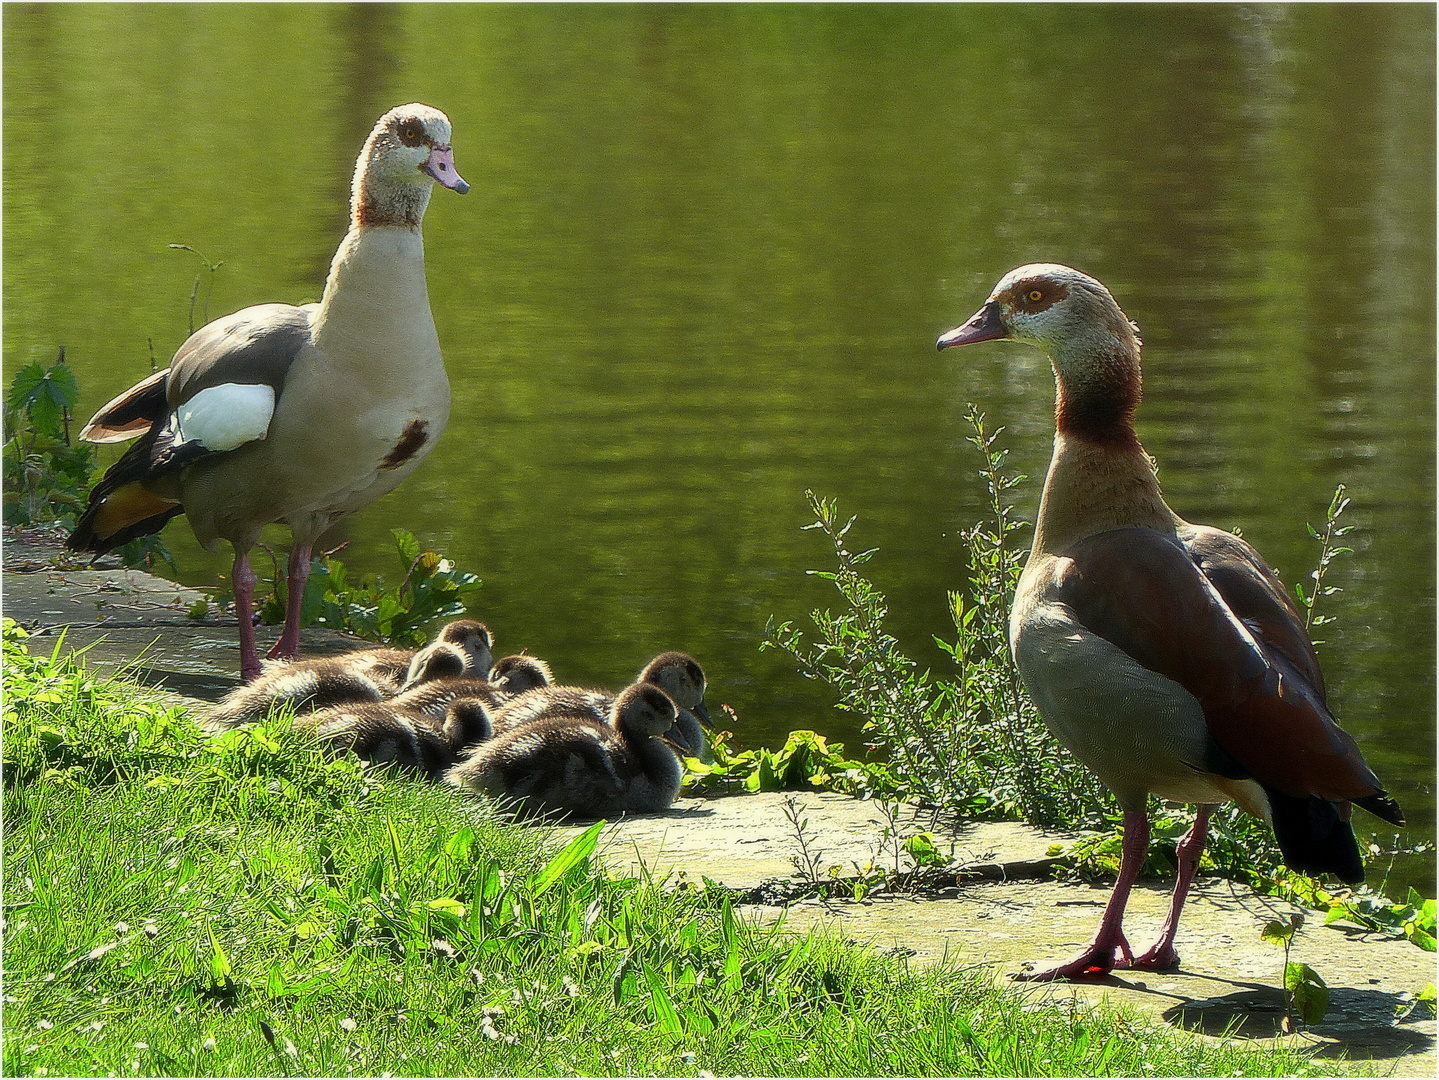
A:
(432, 588)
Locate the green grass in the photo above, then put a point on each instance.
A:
(176, 905)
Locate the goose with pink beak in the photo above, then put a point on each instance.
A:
(299, 415)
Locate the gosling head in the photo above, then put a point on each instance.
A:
(680, 676)
(438, 661)
(474, 639)
(644, 709)
(516, 674)
(467, 721)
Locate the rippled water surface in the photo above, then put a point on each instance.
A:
(706, 256)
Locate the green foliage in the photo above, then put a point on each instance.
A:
(45, 477)
(1327, 552)
(431, 589)
(1308, 993)
(806, 762)
(973, 743)
(332, 921)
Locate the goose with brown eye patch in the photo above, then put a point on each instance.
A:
(295, 415)
(1166, 656)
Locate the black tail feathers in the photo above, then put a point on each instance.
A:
(1313, 838)
(1316, 840)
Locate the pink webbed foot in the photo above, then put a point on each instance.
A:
(1161, 957)
(1094, 962)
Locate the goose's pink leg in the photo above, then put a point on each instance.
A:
(1097, 960)
(1187, 853)
(288, 647)
(242, 580)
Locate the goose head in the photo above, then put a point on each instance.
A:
(438, 661)
(474, 640)
(643, 709)
(680, 676)
(407, 153)
(1074, 320)
(516, 674)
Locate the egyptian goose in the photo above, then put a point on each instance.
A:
(1166, 656)
(576, 764)
(382, 733)
(304, 687)
(680, 676)
(294, 414)
(677, 674)
(369, 675)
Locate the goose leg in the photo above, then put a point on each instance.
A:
(1163, 954)
(242, 580)
(288, 646)
(1097, 960)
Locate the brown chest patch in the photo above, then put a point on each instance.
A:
(411, 440)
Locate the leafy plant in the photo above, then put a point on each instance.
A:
(213, 267)
(1305, 992)
(807, 761)
(973, 744)
(432, 588)
(1328, 550)
(46, 478)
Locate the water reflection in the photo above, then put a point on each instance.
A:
(705, 257)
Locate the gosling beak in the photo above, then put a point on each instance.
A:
(703, 715)
(441, 165)
(678, 747)
(984, 325)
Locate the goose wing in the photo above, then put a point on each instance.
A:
(1141, 591)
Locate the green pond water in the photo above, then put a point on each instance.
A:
(706, 256)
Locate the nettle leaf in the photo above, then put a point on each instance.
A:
(407, 545)
(24, 385)
(1309, 992)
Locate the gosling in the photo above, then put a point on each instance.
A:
(383, 734)
(568, 763)
(369, 675)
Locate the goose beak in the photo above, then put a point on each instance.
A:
(441, 166)
(985, 325)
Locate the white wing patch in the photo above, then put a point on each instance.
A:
(226, 416)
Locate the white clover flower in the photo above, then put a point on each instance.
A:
(208, 1044)
(348, 1024)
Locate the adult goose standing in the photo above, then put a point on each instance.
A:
(1166, 656)
(294, 414)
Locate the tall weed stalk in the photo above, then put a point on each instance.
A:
(971, 744)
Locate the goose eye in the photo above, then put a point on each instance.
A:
(411, 133)
(1035, 296)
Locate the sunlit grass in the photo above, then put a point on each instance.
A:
(244, 906)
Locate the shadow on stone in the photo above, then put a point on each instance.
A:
(1359, 1024)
